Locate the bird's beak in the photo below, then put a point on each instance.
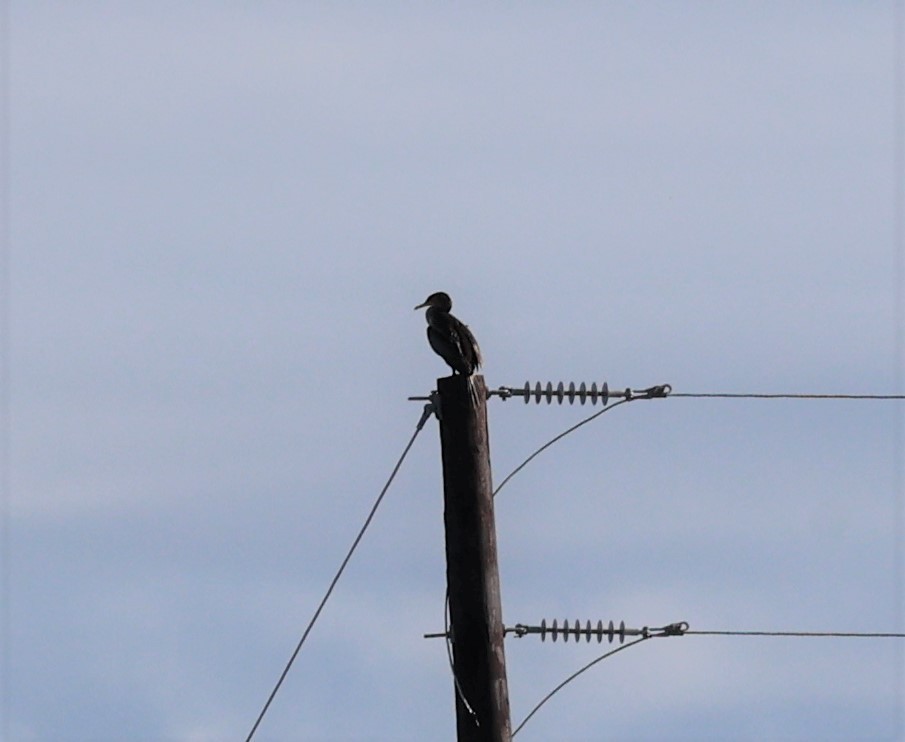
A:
(421, 306)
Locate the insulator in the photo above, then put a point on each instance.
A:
(576, 631)
(561, 392)
(582, 392)
(520, 630)
(610, 631)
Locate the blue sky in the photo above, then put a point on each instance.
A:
(221, 217)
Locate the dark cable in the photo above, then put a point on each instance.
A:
(681, 630)
(428, 410)
(561, 435)
(452, 665)
(723, 395)
(576, 674)
(697, 395)
(850, 634)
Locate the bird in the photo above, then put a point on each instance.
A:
(450, 337)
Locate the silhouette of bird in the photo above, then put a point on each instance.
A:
(449, 337)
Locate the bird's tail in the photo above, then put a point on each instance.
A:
(473, 389)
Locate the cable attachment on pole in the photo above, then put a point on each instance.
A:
(433, 407)
(611, 632)
(583, 393)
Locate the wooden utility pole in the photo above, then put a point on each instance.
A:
(472, 578)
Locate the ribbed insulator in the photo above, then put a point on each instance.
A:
(561, 392)
(611, 632)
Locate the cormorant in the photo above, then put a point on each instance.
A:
(449, 337)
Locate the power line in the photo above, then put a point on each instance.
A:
(428, 411)
(576, 674)
(676, 629)
(836, 634)
(665, 391)
(696, 395)
(732, 395)
(558, 437)
(452, 665)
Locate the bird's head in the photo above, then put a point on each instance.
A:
(440, 300)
